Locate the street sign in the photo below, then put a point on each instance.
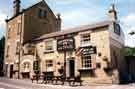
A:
(89, 50)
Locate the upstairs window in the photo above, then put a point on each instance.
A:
(117, 29)
(17, 47)
(9, 33)
(48, 45)
(19, 28)
(85, 39)
(42, 13)
(7, 51)
(39, 13)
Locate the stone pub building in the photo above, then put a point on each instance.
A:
(35, 42)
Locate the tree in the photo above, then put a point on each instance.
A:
(129, 51)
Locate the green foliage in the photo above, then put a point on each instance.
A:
(129, 51)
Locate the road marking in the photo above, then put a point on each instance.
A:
(12, 86)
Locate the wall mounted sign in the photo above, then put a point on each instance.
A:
(66, 44)
(89, 50)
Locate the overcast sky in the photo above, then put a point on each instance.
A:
(80, 12)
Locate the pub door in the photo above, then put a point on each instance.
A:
(71, 68)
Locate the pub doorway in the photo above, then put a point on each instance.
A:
(71, 68)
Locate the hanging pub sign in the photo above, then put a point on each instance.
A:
(66, 44)
(89, 50)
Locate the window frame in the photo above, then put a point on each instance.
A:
(49, 63)
(7, 51)
(85, 39)
(26, 65)
(9, 33)
(18, 28)
(36, 66)
(86, 62)
(42, 13)
(17, 47)
(117, 29)
(51, 45)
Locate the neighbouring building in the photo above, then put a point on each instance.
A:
(35, 43)
(24, 26)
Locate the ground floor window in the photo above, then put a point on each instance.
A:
(26, 65)
(49, 63)
(36, 65)
(86, 61)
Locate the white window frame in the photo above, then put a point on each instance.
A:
(46, 50)
(49, 63)
(26, 65)
(85, 43)
(85, 64)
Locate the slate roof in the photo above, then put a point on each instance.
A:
(76, 29)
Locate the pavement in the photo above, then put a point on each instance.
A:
(6, 83)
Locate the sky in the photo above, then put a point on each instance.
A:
(80, 12)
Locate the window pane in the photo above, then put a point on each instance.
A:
(85, 38)
(49, 45)
(49, 63)
(40, 13)
(44, 14)
(86, 61)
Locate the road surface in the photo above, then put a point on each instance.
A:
(6, 83)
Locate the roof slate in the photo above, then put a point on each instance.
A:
(76, 29)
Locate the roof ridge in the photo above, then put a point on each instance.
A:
(75, 29)
(84, 25)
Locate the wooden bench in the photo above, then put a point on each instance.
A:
(48, 79)
(58, 78)
(35, 77)
(71, 80)
(74, 80)
(55, 79)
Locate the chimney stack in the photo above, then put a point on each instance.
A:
(58, 22)
(16, 7)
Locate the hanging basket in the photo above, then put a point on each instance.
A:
(105, 59)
